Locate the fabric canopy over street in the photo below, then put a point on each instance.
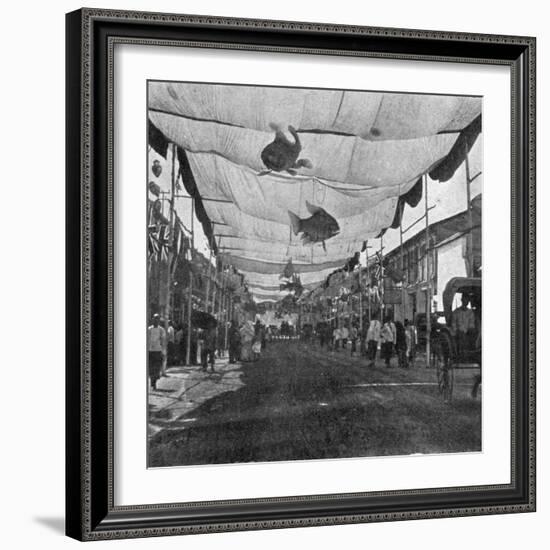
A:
(359, 157)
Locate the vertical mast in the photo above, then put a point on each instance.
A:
(428, 281)
(402, 267)
(369, 285)
(170, 251)
(190, 289)
(469, 240)
(209, 274)
(382, 281)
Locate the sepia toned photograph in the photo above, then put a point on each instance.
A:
(314, 273)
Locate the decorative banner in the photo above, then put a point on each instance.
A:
(154, 188)
(156, 168)
(380, 270)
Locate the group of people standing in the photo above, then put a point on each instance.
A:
(167, 346)
(392, 338)
(247, 341)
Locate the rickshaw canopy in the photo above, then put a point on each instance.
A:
(464, 285)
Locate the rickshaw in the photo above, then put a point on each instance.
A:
(448, 354)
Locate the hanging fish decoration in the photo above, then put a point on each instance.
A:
(294, 285)
(288, 271)
(318, 228)
(156, 168)
(282, 154)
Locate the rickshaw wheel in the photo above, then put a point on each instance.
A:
(444, 368)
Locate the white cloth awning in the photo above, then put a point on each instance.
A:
(366, 149)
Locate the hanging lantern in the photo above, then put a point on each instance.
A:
(154, 188)
(156, 168)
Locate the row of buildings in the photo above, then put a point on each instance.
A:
(419, 268)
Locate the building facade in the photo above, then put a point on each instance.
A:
(416, 272)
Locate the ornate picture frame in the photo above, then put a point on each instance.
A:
(90, 506)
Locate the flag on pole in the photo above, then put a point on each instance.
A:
(163, 241)
(177, 246)
(379, 263)
(152, 242)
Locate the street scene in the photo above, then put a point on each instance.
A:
(314, 274)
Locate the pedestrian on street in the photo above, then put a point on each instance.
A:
(220, 340)
(257, 347)
(336, 336)
(344, 335)
(401, 344)
(353, 337)
(247, 336)
(387, 336)
(412, 341)
(373, 338)
(156, 350)
(208, 349)
(234, 342)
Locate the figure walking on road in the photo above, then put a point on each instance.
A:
(209, 348)
(387, 337)
(401, 344)
(373, 337)
(156, 348)
(412, 341)
(234, 342)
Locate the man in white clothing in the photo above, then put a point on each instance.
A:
(156, 348)
(373, 337)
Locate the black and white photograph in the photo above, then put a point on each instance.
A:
(314, 273)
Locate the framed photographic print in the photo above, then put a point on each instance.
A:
(281, 237)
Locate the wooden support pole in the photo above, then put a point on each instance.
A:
(369, 287)
(190, 289)
(469, 239)
(215, 292)
(428, 281)
(226, 319)
(382, 281)
(402, 263)
(209, 274)
(360, 300)
(221, 296)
